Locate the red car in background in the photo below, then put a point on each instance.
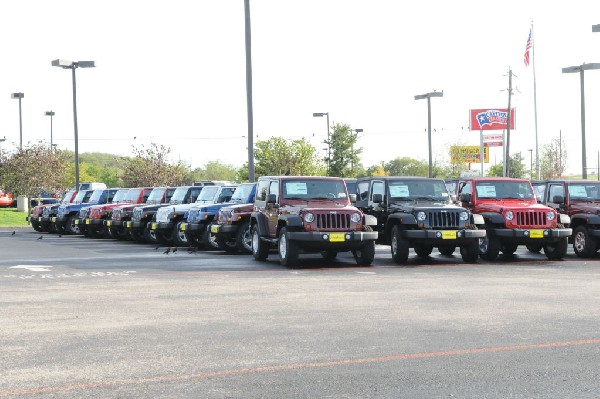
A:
(6, 199)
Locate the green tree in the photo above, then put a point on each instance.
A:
(407, 166)
(553, 159)
(34, 169)
(215, 170)
(344, 153)
(150, 166)
(516, 168)
(278, 156)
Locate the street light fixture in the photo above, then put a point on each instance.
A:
(73, 65)
(19, 96)
(428, 97)
(319, 115)
(581, 68)
(50, 114)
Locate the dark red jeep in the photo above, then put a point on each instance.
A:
(311, 214)
(513, 217)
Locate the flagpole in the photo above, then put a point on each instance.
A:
(537, 148)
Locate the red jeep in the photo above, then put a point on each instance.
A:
(513, 217)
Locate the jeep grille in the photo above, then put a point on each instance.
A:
(446, 219)
(531, 218)
(333, 221)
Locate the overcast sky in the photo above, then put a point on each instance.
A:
(173, 72)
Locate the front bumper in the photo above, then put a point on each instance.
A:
(94, 222)
(531, 235)
(157, 226)
(332, 240)
(224, 229)
(446, 236)
(114, 224)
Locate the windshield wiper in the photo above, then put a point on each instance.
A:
(424, 198)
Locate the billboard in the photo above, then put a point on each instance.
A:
(468, 154)
(491, 119)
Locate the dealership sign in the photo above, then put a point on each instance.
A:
(493, 139)
(468, 154)
(491, 119)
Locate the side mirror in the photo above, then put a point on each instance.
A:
(352, 198)
(558, 199)
(271, 199)
(465, 197)
(377, 198)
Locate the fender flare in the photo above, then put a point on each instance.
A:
(493, 218)
(584, 219)
(257, 219)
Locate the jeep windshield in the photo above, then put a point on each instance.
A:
(314, 189)
(208, 194)
(120, 196)
(156, 195)
(179, 195)
(133, 194)
(584, 191)
(242, 192)
(417, 190)
(80, 196)
(504, 189)
(96, 196)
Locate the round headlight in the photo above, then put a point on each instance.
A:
(309, 217)
(421, 216)
(355, 217)
(509, 215)
(551, 215)
(464, 216)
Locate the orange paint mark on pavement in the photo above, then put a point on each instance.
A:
(296, 366)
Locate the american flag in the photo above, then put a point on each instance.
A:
(528, 47)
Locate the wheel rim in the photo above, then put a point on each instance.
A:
(247, 239)
(579, 242)
(212, 240)
(394, 244)
(74, 227)
(283, 246)
(181, 236)
(255, 242)
(152, 235)
(483, 245)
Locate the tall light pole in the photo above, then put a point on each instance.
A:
(530, 163)
(73, 65)
(19, 96)
(50, 114)
(318, 115)
(249, 108)
(581, 68)
(428, 97)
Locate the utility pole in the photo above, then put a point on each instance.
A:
(508, 114)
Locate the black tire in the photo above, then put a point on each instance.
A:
(243, 238)
(584, 244)
(329, 254)
(365, 255)
(489, 247)
(470, 252)
(287, 249)
(423, 251)
(447, 250)
(399, 246)
(71, 227)
(508, 249)
(137, 235)
(260, 249)
(534, 248)
(229, 246)
(36, 226)
(152, 237)
(556, 250)
(179, 237)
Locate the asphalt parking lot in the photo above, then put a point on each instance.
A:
(107, 319)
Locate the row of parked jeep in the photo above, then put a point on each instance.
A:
(480, 217)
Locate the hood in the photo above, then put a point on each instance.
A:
(316, 206)
(584, 207)
(515, 205)
(409, 206)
